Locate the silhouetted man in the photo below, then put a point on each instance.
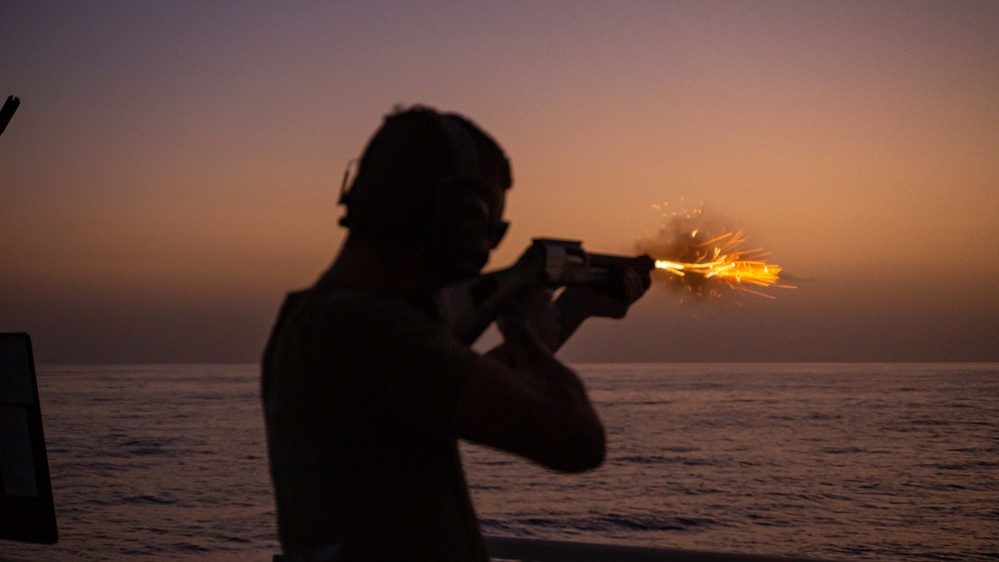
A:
(366, 393)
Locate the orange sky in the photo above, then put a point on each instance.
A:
(173, 167)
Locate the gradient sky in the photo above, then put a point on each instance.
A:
(173, 168)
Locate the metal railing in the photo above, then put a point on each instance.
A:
(542, 550)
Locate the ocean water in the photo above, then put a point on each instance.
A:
(841, 461)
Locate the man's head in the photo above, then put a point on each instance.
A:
(435, 181)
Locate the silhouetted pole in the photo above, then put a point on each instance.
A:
(9, 107)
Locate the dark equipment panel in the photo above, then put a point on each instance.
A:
(27, 511)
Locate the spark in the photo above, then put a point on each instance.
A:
(710, 264)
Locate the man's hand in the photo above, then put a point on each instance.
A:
(612, 300)
(531, 319)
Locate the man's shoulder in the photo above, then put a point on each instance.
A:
(315, 325)
(356, 309)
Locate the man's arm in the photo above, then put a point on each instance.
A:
(522, 399)
(555, 322)
(532, 405)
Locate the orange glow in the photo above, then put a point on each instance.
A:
(708, 267)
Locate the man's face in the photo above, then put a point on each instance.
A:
(495, 197)
(477, 230)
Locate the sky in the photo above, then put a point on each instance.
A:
(173, 168)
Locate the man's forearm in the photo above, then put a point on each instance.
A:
(571, 308)
(556, 326)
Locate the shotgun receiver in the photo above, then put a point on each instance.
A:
(468, 307)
